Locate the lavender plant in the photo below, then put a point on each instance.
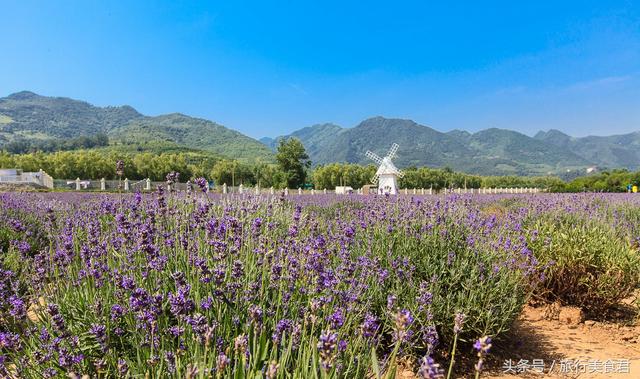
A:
(202, 285)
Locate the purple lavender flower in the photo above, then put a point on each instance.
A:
(180, 302)
(139, 299)
(282, 326)
(255, 314)
(222, 361)
(482, 345)
(123, 367)
(202, 184)
(175, 331)
(458, 322)
(120, 167)
(336, 319)
(327, 349)
(170, 358)
(429, 369)
(271, 370)
(100, 334)
(431, 338)
(240, 344)
(57, 319)
(370, 326)
(391, 301)
(117, 311)
(9, 341)
(342, 346)
(18, 309)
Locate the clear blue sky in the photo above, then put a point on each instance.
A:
(268, 68)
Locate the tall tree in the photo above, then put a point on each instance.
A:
(294, 161)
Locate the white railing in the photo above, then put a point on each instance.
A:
(40, 178)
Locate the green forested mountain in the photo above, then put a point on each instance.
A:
(25, 115)
(30, 122)
(28, 119)
(193, 133)
(617, 151)
(488, 152)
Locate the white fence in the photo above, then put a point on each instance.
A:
(146, 185)
(404, 191)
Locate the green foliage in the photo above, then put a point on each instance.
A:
(546, 182)
(352, 264)
(38, 123)
(44, 117)
(588, 264)
(293, 161)
(336, 174)
(342, 174)
(424, 177)
(49, 145)
(607, 181)
(193, 133)
(95, 164)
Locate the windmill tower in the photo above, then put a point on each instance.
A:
(387, 175)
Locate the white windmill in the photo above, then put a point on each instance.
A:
(387, 175)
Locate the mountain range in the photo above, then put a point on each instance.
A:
(487, 152)
(28, 116)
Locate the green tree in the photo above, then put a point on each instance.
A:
(294, 161)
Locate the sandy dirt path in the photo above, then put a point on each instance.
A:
(586, 350)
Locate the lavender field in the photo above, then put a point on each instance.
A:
(193, 285)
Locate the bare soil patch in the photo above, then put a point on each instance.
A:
(568, 349)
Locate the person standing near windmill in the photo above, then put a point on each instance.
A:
(387, 175)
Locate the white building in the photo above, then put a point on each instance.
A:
(16, 176)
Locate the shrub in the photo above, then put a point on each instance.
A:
(238, 286)
(588, 264)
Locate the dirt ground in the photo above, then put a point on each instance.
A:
(568, 348)
(550, 343)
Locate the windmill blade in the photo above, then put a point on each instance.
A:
(374, 179)
(393, 150)
(400, 173)
(373, 156)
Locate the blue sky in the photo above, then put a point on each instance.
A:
(268, 68)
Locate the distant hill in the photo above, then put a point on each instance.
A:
(619, 151)
(193, 133)
(42, 120)
(488, 152)
(26, 116)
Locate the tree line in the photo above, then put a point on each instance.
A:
(291, 169)
(23, 146)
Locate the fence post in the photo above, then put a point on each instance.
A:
(126, 184)
(286, 191)
(299, 191)
(224, 187)
(272, 191)
(103, 185)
